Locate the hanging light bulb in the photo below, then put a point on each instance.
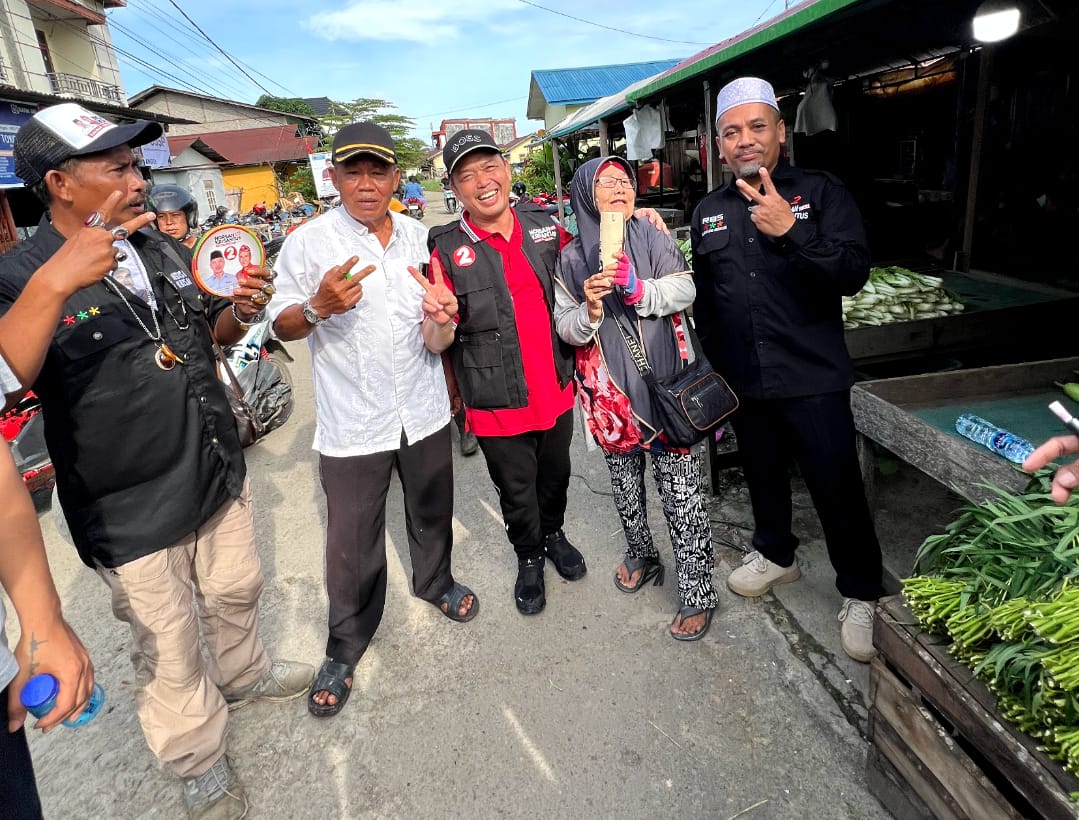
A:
(996, 20)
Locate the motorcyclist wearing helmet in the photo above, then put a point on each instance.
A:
(177, 213)
(519, 194)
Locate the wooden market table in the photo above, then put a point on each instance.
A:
(914, 417)
(1006, 319)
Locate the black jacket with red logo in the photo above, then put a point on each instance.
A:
(768, 310)
(486, 351)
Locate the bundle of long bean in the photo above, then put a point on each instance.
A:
(896, 294)
(1002, 581)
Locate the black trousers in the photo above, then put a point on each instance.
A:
(356, 489)
(531, 474)
(818, 433)
(18, 789)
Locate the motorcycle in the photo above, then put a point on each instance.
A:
(451, 201)
(23, 428)
(415, 207)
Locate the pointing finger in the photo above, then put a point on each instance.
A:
(361, 275)
(345, 270)
(749, 191)
(436, 265)
(766, 180)
(419, 277)
(140, 221)
(109, 205)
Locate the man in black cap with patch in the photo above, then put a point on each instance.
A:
(347, 285)
(515, 374)
(164, 511)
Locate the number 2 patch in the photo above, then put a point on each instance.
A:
(464, 256)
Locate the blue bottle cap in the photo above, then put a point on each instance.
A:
(39, 690)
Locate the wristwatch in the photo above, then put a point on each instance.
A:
(311, 315)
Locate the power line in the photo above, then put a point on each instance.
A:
(224, 53)
(611, 28)
(167, 58)
(468, 108)
(152, 11)
(766, 8)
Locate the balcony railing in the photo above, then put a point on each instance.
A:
(85, 87)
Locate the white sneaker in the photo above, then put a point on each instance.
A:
(757, 575)
(856, 634)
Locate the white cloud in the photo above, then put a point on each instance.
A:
(430, 22)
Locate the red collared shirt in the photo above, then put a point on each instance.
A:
(546, 399)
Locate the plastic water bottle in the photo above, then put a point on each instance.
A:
(1000, 441)
(39, 698)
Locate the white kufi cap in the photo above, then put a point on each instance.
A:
(745, 90)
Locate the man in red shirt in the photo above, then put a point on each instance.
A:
(490, 305)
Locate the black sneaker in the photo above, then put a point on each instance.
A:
(528, 592)
(469, 445)
(567, 558)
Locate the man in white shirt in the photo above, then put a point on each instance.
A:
(381, 402)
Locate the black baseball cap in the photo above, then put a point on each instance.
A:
(360, 138)
(464, 142)
(67, 130)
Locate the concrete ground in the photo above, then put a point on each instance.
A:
(588, 710)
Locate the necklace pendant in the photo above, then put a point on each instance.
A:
(165, 358)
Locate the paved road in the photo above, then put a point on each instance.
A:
(588, 710)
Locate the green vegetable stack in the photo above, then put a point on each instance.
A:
(897, 294)
(1002, 582)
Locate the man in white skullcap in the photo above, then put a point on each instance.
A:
(773, 252)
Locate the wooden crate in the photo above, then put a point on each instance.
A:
(939, 746)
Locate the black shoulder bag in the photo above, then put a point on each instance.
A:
(686, 405)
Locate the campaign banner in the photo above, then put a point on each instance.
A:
(156, 154)
(12, 116)
(320, 172)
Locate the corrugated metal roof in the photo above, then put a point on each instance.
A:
(573, 86)
(250, 146)
(602, 108)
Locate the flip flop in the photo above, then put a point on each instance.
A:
(689, 612)
(331, 678)
(652, 569)
(453, 599)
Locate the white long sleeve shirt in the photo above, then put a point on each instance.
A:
(373, 375)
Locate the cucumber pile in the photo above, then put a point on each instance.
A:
(897, 294)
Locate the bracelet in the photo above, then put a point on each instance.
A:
(254, 320)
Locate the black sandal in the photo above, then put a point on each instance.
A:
(652, 569)
(453, 598)
(331, 678)
(692, 612)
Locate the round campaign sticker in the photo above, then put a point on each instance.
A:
(222, 253)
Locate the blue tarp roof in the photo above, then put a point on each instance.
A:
(573, 86)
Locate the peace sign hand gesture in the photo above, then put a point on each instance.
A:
(439, 302)
(340, 289)
(770, 212)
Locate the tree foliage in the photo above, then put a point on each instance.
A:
(410, 151)
(538, 171)
(287, 105)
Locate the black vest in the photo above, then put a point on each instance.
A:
(486, 351)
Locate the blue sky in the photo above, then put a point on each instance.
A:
(432, 58)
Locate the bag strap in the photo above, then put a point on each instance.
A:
(228, 370)
(170, 252)
(635, 350)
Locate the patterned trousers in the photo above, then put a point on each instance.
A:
(678, 477)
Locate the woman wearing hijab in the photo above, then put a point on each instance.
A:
(645, 291)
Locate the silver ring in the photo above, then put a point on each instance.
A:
(94, 220)
(120, 233)
(260, 298)
(269, 289)
(121, 256)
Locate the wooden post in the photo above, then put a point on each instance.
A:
(604, 143)
(558, 182)
(985, 63)
(713, 175)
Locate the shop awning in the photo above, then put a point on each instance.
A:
(792, 20)
(601, 109)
